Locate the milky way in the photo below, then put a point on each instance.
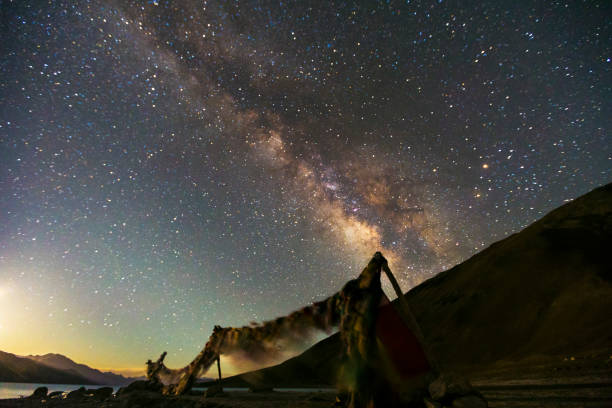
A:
(166, 167)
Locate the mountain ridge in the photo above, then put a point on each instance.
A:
(54, 368)
(14, 368)
(61, 362)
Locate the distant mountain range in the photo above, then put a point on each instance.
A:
(54, 369)
(22, 369)
(544, 293)
(62, 362)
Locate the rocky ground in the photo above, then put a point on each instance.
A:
(499, 395)
(578, 382)
(575, 383)
(142, 399)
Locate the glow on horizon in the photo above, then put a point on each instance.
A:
(28, 326)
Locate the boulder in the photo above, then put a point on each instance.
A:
(77, 394)
(449, 386)
(429, 403)
(438, 389)
(102, 393)
(40, 393)
(143, 398)
(141, 385)
(55, 394)
(457, 386)
(470, 401)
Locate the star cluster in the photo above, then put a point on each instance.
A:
(168, 166)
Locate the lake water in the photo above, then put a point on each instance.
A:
(16, 390)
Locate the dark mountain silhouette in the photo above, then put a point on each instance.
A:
(21, 369)
(313, 368)
(62, 362)
(544, 293)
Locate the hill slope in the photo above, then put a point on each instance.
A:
(315, 367)
(545, 291)
(62, 362)
(21, 369)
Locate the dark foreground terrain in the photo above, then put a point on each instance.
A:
(573, 382)
(589, 391)
(582, 382)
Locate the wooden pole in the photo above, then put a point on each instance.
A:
(406, 313)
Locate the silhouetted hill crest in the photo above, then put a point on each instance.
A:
(20, 369)
(62, 362)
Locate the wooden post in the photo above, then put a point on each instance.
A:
(406, 312)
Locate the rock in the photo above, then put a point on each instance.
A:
(39, 393)
(470, 401)
(457, 386)
(214, 391)
(77, 394)
(341, 399)
(431, 404)
(141, 385)
(438, 389)
(101, 394)
(55, 394)
(149, 399)
(448, 386)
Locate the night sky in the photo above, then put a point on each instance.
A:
(169, 166)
